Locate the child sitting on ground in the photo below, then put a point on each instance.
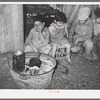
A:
(38, 39)
(58, 30)
(81, 31)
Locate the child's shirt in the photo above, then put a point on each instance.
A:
(96, 28)
(82, 30)
(57, 33)
(36, 38)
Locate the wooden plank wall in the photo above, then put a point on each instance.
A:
(11, 27)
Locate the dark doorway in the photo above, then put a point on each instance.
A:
(30, 13)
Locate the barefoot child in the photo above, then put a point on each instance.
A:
(38, 39)
(82, 31)
(58, 30)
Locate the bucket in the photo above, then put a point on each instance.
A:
(39, 81)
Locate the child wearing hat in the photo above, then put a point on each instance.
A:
(59, 34)
(96, 39)
(82, 31)
(38, 38)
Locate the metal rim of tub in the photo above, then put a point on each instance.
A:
(10, 64)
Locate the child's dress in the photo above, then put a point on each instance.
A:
(58, 34)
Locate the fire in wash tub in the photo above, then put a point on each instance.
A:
(36, 72)
(31, 65)
(35, 66)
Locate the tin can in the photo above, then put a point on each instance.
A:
(19, 61)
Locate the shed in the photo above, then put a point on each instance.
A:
(12, 25)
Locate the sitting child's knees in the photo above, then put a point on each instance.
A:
(68, 45)
(89, 44)
(54, 44)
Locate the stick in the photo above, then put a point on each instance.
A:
(73, 14)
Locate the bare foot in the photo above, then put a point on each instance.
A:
(69, 60)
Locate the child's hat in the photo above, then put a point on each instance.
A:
(84, 13)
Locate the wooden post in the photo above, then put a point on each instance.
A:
(5, 39)
(11, 27)
(17, 26)
(72, 17)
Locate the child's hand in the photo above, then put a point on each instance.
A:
(77, 40)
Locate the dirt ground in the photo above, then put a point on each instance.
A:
(82, 74)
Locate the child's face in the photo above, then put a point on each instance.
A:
(39, 26)
(98, 20)
(59, 23)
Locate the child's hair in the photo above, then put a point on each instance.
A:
(97, 12)
(40, 18)
(44, 18)
(60, 16)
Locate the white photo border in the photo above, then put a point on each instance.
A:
(51, 94)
